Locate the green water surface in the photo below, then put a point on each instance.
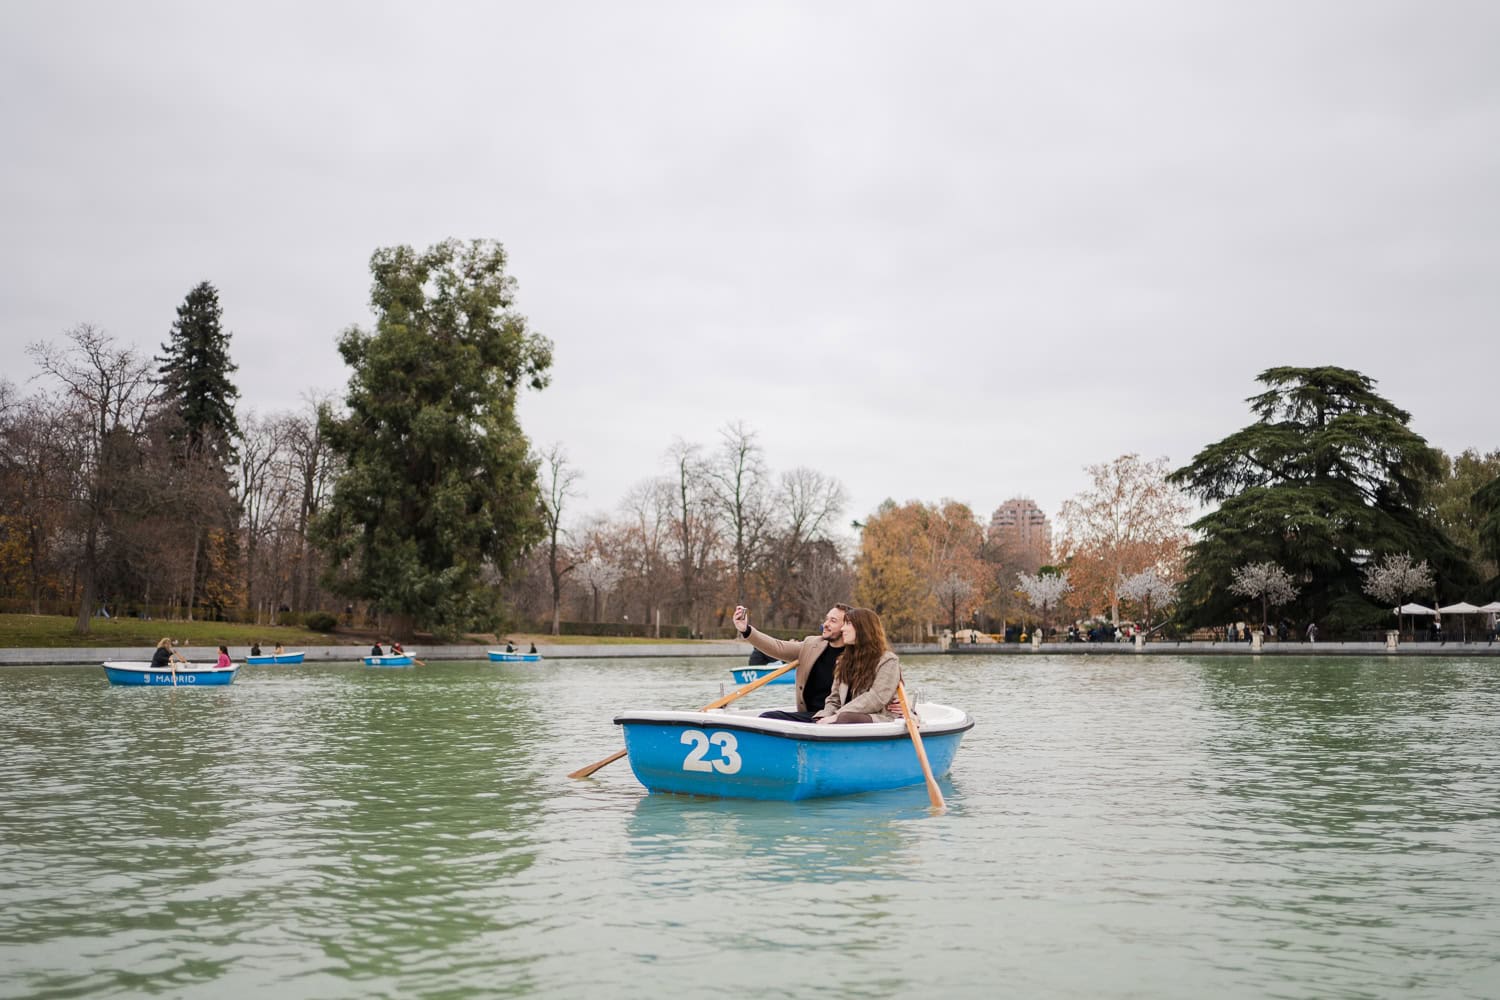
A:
(1117, 827)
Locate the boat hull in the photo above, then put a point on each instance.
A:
(129, 673)
(500, 656)
(739, 755)
(260, 661)
(388, 661)
(745, 675)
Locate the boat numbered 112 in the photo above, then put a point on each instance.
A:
(501, 656)
(737, 754)
(744, 675)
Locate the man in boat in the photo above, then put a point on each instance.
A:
(815, 658)
(532, 649)
(255, 648)
(376, 649)
(397, 649)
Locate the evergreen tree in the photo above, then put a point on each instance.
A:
(439, 483)
(1329, 476)
(195, 375)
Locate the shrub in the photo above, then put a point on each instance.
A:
(321, 621)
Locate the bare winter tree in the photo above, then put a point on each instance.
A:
(807, 506)
(558, 484)
(950, 591)
(599, 568)
(1395, 578)
(1266, 581)
(111, 390)
(1044, 590)
(737, 482)
(1150, 588)
(695, 526)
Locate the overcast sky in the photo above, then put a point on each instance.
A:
(937, 250)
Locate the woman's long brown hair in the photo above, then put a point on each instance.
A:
(858, 663)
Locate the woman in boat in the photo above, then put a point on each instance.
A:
(278, 650)
(165, 656)
(224, 662)
(397, 649)
(866, 675)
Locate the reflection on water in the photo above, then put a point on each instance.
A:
(850, 839)
(1117, 827)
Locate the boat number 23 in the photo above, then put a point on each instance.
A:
(728, 760)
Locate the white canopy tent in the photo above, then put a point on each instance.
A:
(1415, 609)
(1490, 608)
(1461, 608)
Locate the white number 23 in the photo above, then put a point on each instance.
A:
(727, 763)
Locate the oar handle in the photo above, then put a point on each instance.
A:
(584, 772)
(934, 794)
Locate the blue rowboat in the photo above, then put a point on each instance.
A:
(738, 755)
(404, 660)
(275, 658)
(501, 656)
(744, 675)
(139, 673)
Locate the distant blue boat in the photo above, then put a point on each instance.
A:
(404, 660)
(140, 673)
(744, 675)
(275, 658)
(501, 656)
(741, 756)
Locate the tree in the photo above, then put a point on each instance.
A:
(1044, 590)
(195, 374)
(801, 563)
(694, 526)
(1148, 587)
(559, 485)
(908, 553)
(1266, 581)
(737, 482)
(439, 480)
(950, 591)
(1329, 472)
(1128, 520)
(1487, 528)
(1450, 499)
(1395, 577)
(110, 395)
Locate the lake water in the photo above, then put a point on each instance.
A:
(1117, 827)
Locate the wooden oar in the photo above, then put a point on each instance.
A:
(933, 792)
(584, 772)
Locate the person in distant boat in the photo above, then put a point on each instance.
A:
(510, 647)
(278, 650)
(396, 649)
(255, 648)
(532, 649)
(224, 661)
(867, 674)
(376, 649)
(165, 656)
(815, 656)
(758, 659)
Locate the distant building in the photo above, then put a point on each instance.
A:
(1019, 528)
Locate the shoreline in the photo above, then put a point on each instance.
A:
(733, 649)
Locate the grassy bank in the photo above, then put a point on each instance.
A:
(56, 631)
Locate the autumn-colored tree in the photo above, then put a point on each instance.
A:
(916, 560)
(1128, 520)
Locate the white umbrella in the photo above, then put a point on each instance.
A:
(1491, 607)
(1417, 609)
(1461, 608)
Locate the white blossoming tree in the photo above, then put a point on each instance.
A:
(1395, 578)
(1044, 590)
(1266, 581)
(1150, 588)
